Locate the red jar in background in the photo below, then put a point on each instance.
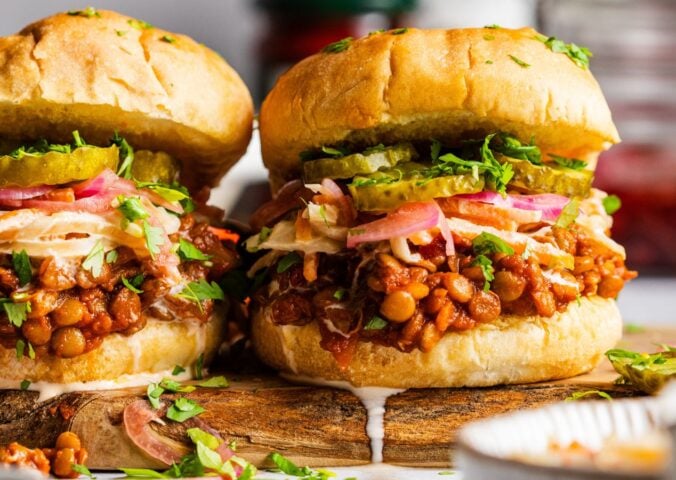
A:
(634, 60)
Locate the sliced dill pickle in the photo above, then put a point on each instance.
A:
(357, 163)
(647, 372)
(154, 167)
(56, 168)
(388, 189)
(546, 179)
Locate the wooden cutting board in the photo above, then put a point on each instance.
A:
(315, 426)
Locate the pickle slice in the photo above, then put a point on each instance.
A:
(357, 163)
(386, 190)
(546, 179)
(647, 372)
(154, 167)
(56, 168)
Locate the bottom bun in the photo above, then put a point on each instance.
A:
(513, 349)
(158, 347)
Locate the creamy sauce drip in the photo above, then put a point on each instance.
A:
(49, 390)
(373, 399)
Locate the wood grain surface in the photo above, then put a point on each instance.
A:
(315, 426)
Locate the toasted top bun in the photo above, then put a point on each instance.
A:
(512, 349)
(105, 72)
(444, 84)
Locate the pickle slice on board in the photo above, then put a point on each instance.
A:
(647, 372)
(386, 190)
(56, 168)
(154, 167)
(546, 179)
(357, 163)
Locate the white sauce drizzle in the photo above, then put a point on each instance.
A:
(373, 399)
(49, 390)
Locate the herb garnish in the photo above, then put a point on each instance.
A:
(133, 285)
(42, 147)
(375, 323)
(173, 192)
(568, 214)
(571, 163)
(264, 234)
(111, 256)
(202, 290)
(512, 147)
(519, 62)
(579, 395)
(88, 12)
(131, 208)
(288, 261)
(94, 261)
(22, 267)
(21, 347)
(215, 382)
(126, 155)
(168, 39)
(188, 251)
(486, 266)
(287, 467)
(579, 55)
(154, 392)
(24, 384)
(178, 369)
(399, 31)
(82, 470)
(339, 46)
(183, 408)
(611, 204)
(489, 62)
(339, 293)
(121, 33)
(139, 24)
(198, 367)
(639, 361)
(154, 238)
(493, 26)
(487, 243)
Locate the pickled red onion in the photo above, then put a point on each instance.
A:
(549, 204)
(16, 194)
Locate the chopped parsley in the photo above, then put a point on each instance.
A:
(487, 243)
(399, 31)
(512, 147)
(611, 204)
(139, 24)
(639, 361)
(375, 323)
(580, 395)
(94, 261)
(486, 266)
(288, 261)
(88, 12)
(42, 147)
(131, 208)
(568, 214)
(22, 267)
(202, 290)
(16, 312)
(178, 369)
(154, 238)
(519, 62)
(183, 408)
(25, 384)
(188, 251)
(168, 39)
(570, 163)
(339, 46)
(579, 55)
(134, 283)
(126, 155)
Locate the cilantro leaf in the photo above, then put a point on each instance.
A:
(287, 467)
(579, 55)
(154, 392)
(170, 192)
(82, 470)
(487, 243)
(375, 323)
(339, 46)
(111, 256)
(486, 266)
(198, 367)
(94, 261)
(131, 208)
(178, 369)
(288, 261)
(215, 382)
(335, 152)
(202, 290)
(168, 39)
(512, 147)
(183, 408)
(519, 62)
(154, 238)
(126, 154)
(579, 395)
(339, 293)
(88, 12)
(568, 214)
(176, 387)
(130, 285)
(21, 348)
(571, 163)
(188, 251)
(611, 204)
(16, 312)
(25, 384)
(22, 267)
(139, 24)
(199, 435)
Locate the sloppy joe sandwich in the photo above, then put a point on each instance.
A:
(109, 268)
(434, 223)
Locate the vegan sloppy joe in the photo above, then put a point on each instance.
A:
(434, 221)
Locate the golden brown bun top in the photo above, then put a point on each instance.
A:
(444, 84)
(106, 72)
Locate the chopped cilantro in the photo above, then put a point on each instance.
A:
(88, 12)
(579, 395)
(126, 155)
(489, 62)
(176, 387)
(183, 408)
(94, 261)
(82, 470)
(178, 369)
(215, 382)
(487, 243)
(611, 204)
(339, 46)
(579, 55)
(287, 467)
(22, 267)
(399, 31)
(16, 312)
(131, 286)
(154, 392)
(339, 293)
(375, 323)
(202, 290)
(288, 261)
(154, 238)
(264, 234)
(512, 147)
(519, 62)
(188, 251)
(571, 163)
(139, 24)
(168, 39)
(493, 26)
(121, 33)
(21, 348)
(198, 367)
(131, 208)
(111, 256)
(25, 384)
(486, 266)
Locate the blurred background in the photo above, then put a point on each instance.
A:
(634, 48)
